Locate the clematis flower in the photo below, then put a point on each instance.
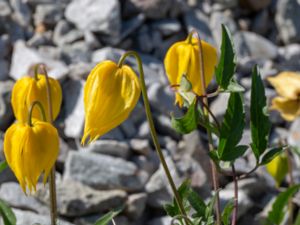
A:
(110, 94)
(182, 58)
(28, 89)
(287, 85)
(278, 168)
(31, 150)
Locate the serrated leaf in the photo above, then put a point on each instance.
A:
(232, 129)
(226, 67)
(227, 212)
(104, 220)
(3, 166)
(270, 155)
(197, 204)
(278, 211)
(209, 212)
(185, 84)
(259, 120)
(7, 214)
(188, 122)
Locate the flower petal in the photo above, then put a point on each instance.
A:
(289, 109)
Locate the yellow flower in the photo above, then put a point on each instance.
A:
(278, 168)
(31, 151)
(287, 85)
(110, 94)
(182, 58)
(28, 89)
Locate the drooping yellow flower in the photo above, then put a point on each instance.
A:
(110, 94)
(28, 89)
(182, 58)
(287, 85)
(31, 151)
(278, 168)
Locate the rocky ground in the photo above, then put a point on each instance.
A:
(122, 168)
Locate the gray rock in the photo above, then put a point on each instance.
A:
(63, 153)
(261, 23)
(4, 70)
(74, 111)
(24, 58)
(28, 218)
(249, 44)
(290, 55)
(86, 200)
(153, 9)
(287, 20)
(114, 134)
(80, 70)
(109, 147)
(91, 40)
(99, 16)
(64, 33)
(218, 106)
(135, 205)
(103, 172)
(131, 25)
(218, 18)
(144, 131)
(294, 136)
(245, 203)
(128, 128)
(107, 53)
(141, 146)
(39, 39)
(167, 26)
(164, 127)
(6, 113)
(197, 20)
(12, 193)
(5, 10)
(48, 14)
(22, 12)
(255, 5)
(4, 45)
(76, 52)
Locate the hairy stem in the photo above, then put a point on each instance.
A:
(152, 129)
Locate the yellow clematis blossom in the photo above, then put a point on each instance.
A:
(278, 168)
(287, 85)
(31, 150)
(29, 89)
(110, 94)
(182, 58)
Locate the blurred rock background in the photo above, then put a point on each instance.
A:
(72, 36)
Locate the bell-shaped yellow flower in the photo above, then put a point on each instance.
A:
(278, 168)
(31, 151)
(28, 89)
(183, 58)
(287, 85)
(110, 94)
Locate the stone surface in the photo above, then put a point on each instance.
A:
(135, 205)
(48, 14)
(22, 12)
(6, 113)
(287, 21)
(5, 9)
(12, 193)
(99, 15)
(294, 134)
(160, 221)
(24, 58)
(255, 5)
(73, 108)
(4, 70)
(103, 172)
(109, 147)
(64, 33)
(153, 8)
(86, 200)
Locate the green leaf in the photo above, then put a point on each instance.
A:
(209, 213)
(227, 212)
(259, 119)
(226, 67)
(188, 122)
(270, 155)
(7, 214)
(232, 154)
(104, 220)
(232, 129)
(278, 211)
(235, 87)
(185, 84)
(3, 166)
(297, 221)
(197, 204)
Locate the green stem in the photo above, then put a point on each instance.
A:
(52, 184)
(236, 195)
(152, 128)
(291, 183)
(209, 134)
(42, 111)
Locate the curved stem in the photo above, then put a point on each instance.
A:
(236, 202)
(52, 185)
(152, 128)
(209, 134)
(42, 111)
